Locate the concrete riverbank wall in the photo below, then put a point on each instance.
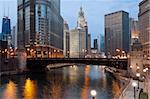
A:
(8, 65)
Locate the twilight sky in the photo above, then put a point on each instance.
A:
(94, 11)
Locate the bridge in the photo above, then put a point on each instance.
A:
(41, 63)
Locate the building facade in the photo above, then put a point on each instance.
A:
(40, 28)
(134, 31)
(95, 44)
(6, 29)
(144, 27)
(89, 43)
(6, 32)
(79, 37)
(102, 43)
(75, 43)
(14, 37)
(116, 32)
(66, 40)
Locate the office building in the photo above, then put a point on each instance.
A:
(144, 27)
(79, 37)
(134, 31)
(95, 44)
(6, 29)
(102, 43)
(66, 39)
(89, 43)
(116, 32)
(14, 37)
(40, 28)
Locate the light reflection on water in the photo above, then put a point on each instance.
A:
(10, 91)
(74, 82)
(30, 89)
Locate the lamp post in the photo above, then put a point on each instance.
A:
(93, 94)
(138, 75)
(130, 71)
(145, 71)
(134, 84)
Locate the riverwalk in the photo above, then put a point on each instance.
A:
(128, 92)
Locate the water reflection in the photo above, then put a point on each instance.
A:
(56, 90)
(10, 91)
(84, 91)
(116, 90)
(73, 74)
(30, 89)
(74, 82)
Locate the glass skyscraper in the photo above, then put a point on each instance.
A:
(40, 27)
(6, 29)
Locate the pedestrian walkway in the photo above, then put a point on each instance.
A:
(128, 92)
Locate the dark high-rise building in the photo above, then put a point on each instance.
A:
(66, 40)
(14, 36)
(95, 44)
(40, 27)
(116, 32)
(89, 43)
(6, 29)
(102, 44)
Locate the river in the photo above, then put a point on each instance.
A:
(72, 82)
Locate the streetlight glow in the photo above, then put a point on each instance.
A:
(144, 70)
(138, 74)
(93, 93)
(134, 84)
(138, 67)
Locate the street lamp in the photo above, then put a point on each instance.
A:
(130, 70)
(93, 94)
(144, 70)
(138, 75)
(134, 84)
(138, 67)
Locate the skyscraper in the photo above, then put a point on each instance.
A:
(102, 45)
(116, 32)
(14, 36)
(6, 29)
(144, 27)
(89, 43)
(95, 44)
(82, 24)
(79, 37)
(134, 31)
(40, 27)
(66, 39)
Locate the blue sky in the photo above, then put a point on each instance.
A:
(94, 11)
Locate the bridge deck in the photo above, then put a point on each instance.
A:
(34, 63)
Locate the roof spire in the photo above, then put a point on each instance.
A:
(81, 8)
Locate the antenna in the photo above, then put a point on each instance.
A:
(4, 9)
(8, 10)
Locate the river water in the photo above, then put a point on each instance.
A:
(73, 82)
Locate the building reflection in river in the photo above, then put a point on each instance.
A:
(85, 88)
(10, 91)
(30, 89)
(73, 74)
(74, 82)
(116, 89)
